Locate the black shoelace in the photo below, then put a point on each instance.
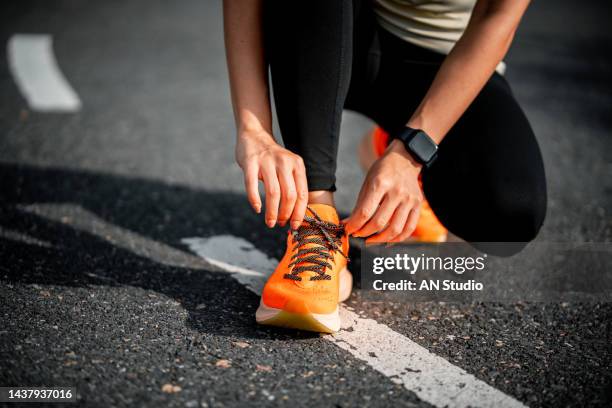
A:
(327, 237)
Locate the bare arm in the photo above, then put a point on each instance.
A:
(389, 201)
(248, 73)
(257, 153)
(469, 65)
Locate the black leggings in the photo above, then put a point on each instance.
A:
(487, 184)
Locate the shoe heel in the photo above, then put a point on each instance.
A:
(346, 285)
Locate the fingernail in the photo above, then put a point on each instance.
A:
(257, 209)
(270, 223)
(295, 225)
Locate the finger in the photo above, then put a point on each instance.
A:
(288, 193)
(380, 219)
(272, 193)
(301, 185)
(367, 203)
(411, 224)
(395, 227)
(251, 183)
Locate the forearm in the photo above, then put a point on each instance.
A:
(247, 68)
(468, 66)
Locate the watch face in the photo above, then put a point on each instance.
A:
(423, 146)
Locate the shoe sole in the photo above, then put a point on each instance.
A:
(315, 322)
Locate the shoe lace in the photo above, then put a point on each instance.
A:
(328, 238)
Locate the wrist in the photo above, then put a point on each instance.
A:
(396, 147)
(248, 123)
(418, 121)
(255, 134)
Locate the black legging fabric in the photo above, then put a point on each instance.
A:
(488, 182)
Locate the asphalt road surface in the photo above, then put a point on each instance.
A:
(101, 290)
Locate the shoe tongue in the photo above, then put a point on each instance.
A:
(325, 212)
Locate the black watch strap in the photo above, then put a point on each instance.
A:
(419, 145)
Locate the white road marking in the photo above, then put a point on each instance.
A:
(430, 377)
(23, 238)
(35, 70)
(248, 266)
(79, 218)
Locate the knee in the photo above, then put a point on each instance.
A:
(511, 220)
(520, 217)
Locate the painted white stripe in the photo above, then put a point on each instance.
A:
(247, 264)
(35, 70)
(79, 218)
(23, 238)
(430, 377)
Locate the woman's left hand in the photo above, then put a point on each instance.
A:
(390, 199)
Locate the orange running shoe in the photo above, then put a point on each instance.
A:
(429, 228)
(311, 278)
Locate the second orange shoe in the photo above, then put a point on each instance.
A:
(311, 278)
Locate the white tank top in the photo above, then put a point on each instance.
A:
(433, 24)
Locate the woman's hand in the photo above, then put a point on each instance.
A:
(257, 153)
(282, 173)
(390, 199)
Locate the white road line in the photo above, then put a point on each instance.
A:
(35, 70)
(430, 377)
(22, 238)
(246, 263)
(79, 218)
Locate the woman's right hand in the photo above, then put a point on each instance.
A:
(282, 172)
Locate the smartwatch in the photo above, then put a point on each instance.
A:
(419, 144)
